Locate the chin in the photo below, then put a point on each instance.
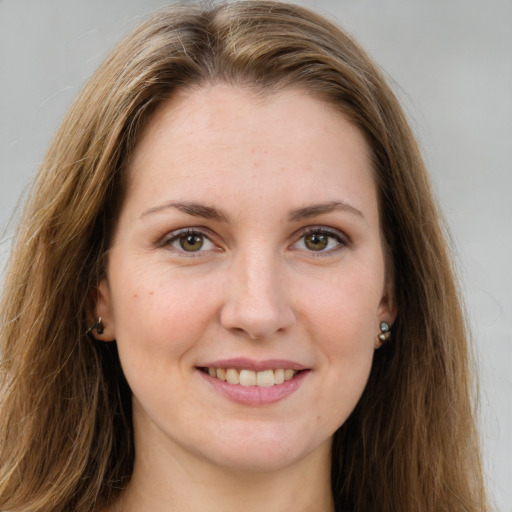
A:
(265, 450)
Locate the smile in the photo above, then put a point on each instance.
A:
(244, 377)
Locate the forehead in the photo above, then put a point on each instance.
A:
(220, 138)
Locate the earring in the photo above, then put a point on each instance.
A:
(98, 326)
(385, 332)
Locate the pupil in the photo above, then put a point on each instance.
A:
(316, 242)
(191, 242)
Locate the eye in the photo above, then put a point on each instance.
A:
(189, 241)
(320, 240)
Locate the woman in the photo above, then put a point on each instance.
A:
(230, 287)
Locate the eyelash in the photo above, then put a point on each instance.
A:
(175, 236)
(341, 240)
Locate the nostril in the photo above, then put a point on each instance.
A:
(253, 334)
(257, 315)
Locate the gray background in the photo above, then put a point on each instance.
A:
(451, 62)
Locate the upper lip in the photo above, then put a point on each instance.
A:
(250, 364)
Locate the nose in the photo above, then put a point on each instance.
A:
(257, 304)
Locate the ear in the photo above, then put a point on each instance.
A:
(101, 307)
(387, 310)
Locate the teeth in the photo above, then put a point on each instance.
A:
(232, 376)
(247, 378)
(265, 378)
(288, 374)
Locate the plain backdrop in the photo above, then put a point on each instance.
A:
(451, 66)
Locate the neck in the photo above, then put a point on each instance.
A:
(168, 480)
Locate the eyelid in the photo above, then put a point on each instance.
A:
(343, 240)
(175, 234)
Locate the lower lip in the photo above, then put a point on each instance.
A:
(255, 395)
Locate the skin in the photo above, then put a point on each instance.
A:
(255, 289)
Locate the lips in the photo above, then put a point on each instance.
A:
(254, 383)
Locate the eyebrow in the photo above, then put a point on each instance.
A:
(212, 213)
(191, 208)
(321, 208)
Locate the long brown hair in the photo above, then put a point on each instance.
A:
(65, 423)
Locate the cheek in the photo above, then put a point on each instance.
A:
(343, 319)
(162, 316)
(346, 338)
(346, 308)
(160, 324)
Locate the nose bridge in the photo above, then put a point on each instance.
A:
(257, 302)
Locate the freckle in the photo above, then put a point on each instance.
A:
(151, 292)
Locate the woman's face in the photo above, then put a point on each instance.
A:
(248, 248)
